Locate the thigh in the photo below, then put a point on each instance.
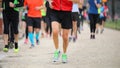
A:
(55, 20)
(96, 18)
(73, 16)
(14, 24)
(91, 17)
(48, 20)
(104, 19)
(99, 20)
(6, 21)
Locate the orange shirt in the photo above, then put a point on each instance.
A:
(32, 4)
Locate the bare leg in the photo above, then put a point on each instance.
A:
(65, 39)
(75, 28)
(55, 28)
(5, 37)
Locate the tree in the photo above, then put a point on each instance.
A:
(113, 9)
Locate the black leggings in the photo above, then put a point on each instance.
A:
(93, 20)
(11, 33)
(49, 26)
(10, 19)
(26, 29)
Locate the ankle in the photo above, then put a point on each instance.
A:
(16, 45)
(6, 46)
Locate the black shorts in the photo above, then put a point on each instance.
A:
(101, 19)
(44, 19)
(75, 16)
(63, 17)
(104, 19)
(35, 22)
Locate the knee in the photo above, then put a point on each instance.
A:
(6, 31)
(16, 31)
(30, 29)
(55, 32)
(65, 37)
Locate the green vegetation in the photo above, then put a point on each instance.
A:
(113, 25)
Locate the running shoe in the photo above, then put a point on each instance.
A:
(16, 50)
(32, 46)
(56, 56)
(102, 31)
(37, 42)
(5, 49)
(74, 39)
(93, 36)
(26, 41)
(70, 38)
(11, 45)
(64, 58)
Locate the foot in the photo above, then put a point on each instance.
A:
(64, 58)
(26, 41)
(11, 45)
(5, 49)
(16, 50)
(74, 39)
(70, 38)
(102, 31)
(56, 56)
(93, 36)
(32, 46)
(37, 42)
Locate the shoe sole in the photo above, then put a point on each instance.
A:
(31, 47)
(64, 62)
(5, 51)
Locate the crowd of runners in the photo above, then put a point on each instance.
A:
(51, 18)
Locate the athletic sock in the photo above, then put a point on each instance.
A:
(6, 46)
(16, 45)
(30, 34)
(37, 36)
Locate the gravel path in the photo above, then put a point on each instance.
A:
(103, 52)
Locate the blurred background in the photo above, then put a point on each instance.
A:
(113, 20)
